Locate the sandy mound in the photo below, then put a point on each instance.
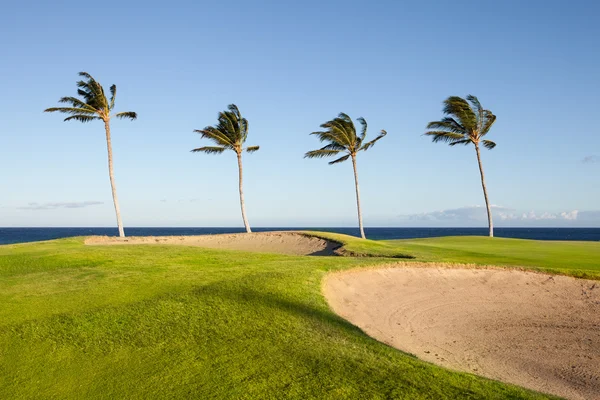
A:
(534, 330)
(262, 242)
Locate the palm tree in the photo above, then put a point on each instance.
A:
(95, 106)
(341, 135)
(467, 123)
(230, 133)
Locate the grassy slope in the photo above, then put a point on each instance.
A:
(181, 322)
(580, 259)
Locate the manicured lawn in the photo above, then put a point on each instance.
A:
(153, 321)
(580, 259)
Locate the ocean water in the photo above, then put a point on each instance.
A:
(19, 235)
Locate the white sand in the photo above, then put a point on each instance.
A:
(534, 330)
(292, 243)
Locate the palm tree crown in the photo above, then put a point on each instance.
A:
(230, 133)
(467, 122)
(341, 135)
(94, 106)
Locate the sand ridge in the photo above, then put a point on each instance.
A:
(535, 330)
(291, 243)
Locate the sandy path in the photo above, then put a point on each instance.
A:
(534, 330)
(263, 242)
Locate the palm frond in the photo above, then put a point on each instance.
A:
(442, 136)
(462, 111)
(228, 125)
(126, 114)
(215, 135)
(462, 141)
(243, 129)
(240, 123)
(475, 102)
(113, 96)
(86, 75)
(446, 125)
(489, 120)
(339, 160)
(347, 126)
(75, 102)
(321, 153)
(342, 131)
(454, 123)
(252, 149)
(209, 150)
(363, 131)
(235, 110)
(81, 118)
(477, 109)
(70, 110)
(92, 92)
(370, 144)
(89, 98)
(488, 144)
(334, 146)
(328, 136)
(85, 84)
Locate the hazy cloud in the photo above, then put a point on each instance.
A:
(477, 215)
(571, 215)
(462, 214)
(545, 216)
(590, 159)
(54, 206)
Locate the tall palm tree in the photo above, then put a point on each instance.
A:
(467, 123)
(230, 133)
(341, 135)
(95, 106)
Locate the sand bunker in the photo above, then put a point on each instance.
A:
(534, 330)
(292, 243)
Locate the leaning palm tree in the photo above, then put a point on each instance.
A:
(95, 106)
(341, 135)
(230, 133)
(467, 122)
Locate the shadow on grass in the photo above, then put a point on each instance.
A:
(362, 367)
(279, 302)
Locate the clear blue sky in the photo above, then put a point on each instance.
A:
(290, 66)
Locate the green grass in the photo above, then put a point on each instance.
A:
(153, 321)
(579, 259)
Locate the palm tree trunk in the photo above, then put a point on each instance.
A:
(360, 221)
(242, 204)
(485, 195)
(112, 179)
